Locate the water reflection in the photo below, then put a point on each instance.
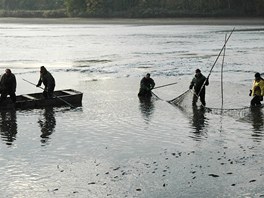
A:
(198, 121)
(8, 126)
(197, 117)
(47, 124)
(257, 122)
(146, 107)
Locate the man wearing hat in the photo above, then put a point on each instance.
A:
(146, 85)
(198, 82)
(49, 82)
(8, 86)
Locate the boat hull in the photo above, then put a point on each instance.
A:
(67, 97)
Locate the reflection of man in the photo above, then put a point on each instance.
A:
(8, 126)
(146, 107)
(48, 124)
(198, 119)
(257, 120)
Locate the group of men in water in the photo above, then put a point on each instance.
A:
(8, 84)
(199, 82)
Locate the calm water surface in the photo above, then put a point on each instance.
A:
(115, 145)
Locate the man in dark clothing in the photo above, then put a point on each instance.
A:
(146, 85)
(8, 86)
(49, 82)
(198, 82)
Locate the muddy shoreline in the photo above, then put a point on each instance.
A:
(118, 21)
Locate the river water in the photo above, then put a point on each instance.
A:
(115, 145)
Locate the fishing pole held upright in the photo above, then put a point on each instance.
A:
(216, 60)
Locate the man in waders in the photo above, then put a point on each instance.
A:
(257, 90)
(146, 85)
(198, 82)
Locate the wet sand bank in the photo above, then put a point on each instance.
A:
(163, 21)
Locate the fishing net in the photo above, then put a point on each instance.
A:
(184, 102)
(178, 100)
(220, 91)
(235, 113)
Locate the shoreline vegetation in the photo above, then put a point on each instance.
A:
(131, 9)
(137, 12)
(142, 21)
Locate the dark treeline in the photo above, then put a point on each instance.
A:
(132, 8)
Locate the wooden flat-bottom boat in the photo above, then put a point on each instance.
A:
(66, 97)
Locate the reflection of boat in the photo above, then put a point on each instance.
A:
(67, 97)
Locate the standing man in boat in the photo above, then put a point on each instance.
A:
(8, 86)
(257, 90)
(49, 82)
(146, 85)
(199, 82)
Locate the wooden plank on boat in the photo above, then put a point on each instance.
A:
(69, 92)
(29, 97)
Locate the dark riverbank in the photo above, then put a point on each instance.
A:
(151, 21)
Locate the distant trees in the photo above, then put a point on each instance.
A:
(31, 4)
(75, 7)
(163, 8)
(32, 8)
(141, 8)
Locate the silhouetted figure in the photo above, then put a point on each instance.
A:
(199, 82)
(49, 82)
(146, 85)
(8, 126)
(8, 86)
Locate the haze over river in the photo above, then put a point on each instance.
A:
(115, 145)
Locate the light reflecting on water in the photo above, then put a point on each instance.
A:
(116, 145)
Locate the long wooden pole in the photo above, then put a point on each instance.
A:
(216, 60)
(222, 69)
(165, 85)
(221, 52)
